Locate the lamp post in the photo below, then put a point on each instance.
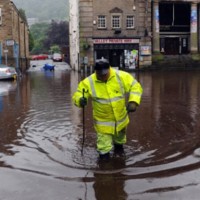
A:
(134, 6)
(25, 56)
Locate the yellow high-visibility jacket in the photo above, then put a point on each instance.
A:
(109, 99)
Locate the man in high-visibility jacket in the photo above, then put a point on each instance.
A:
(108, 89)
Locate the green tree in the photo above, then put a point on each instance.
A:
(57, 34)
(55, 49)
(39, 34)
(23, 15)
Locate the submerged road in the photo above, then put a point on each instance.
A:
(41, 137)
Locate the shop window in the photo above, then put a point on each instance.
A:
(101, 21)
(130, 22)
(116, 21)
(172, 18)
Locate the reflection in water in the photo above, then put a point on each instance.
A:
(7, 86)
(41, 137)
(110, 185)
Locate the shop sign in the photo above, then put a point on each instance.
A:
(116, 41)
(10, 42)
(85, 60)
(145, 50)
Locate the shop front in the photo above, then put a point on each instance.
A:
(173, 45)
(121, 53)
(174, 32)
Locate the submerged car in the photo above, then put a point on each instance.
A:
(48, 67)
(7, 72)
(57, 57)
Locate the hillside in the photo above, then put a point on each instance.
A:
(45, 9)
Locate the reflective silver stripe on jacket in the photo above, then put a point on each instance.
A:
(120, 82)
(92, 86)
(133, 83)
(122, 120)
(111, 123)
(136, 93)
(107, 101)
(105, 123)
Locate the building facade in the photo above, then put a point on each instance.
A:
(130, 32)
(116, 30)
(14, 36)
(175, 27)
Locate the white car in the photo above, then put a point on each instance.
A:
(57, 57)
(7, 72)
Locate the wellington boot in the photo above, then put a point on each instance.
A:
(118, 149)
(105, 156)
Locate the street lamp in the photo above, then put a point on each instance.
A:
(134, 7)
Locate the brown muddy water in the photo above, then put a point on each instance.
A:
(41, 136)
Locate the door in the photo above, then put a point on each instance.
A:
(114, 57)
(172, 46)
(184, 45)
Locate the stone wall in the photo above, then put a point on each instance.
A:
(14, 29)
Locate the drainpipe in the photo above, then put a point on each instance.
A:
(19, 40)
(25, 56)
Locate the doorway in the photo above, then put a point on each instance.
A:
(115, 58)
(172, 45)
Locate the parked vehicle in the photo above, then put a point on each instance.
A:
(57, 57)
(48, 67)
(7, 72)
(40, 57)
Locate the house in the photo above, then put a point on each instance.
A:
(14, 36)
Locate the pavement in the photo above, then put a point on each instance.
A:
(176, 62)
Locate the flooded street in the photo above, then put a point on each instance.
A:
(41, 138)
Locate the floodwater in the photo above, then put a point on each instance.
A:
(41, 141)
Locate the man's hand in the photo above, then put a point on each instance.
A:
(131, 107)
(83, 101)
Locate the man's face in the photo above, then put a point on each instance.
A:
(102, 75)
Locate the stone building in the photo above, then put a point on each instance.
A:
(118, 30)
(130, 33)
(14, 36)
(175, 26)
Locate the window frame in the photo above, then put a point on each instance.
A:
(130, 19)
(101, 21)
(115, 21)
